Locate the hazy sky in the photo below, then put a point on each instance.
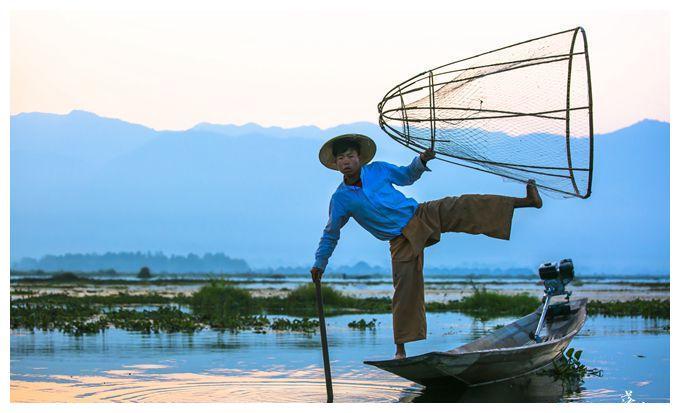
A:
(173, 70)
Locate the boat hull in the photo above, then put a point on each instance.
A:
(502, 355)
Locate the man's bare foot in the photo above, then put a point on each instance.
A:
(533, 197)
(401, 352)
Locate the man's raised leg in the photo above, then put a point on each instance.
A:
(490, 215)
(533, 198)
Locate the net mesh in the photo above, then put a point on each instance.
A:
(521, 112)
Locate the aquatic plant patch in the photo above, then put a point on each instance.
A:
(362, 324)
(645, 308)
(220, 305)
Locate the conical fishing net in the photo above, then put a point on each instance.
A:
(521, 112)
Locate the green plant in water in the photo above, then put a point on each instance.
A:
(66, 277)
(571, 370)
(485, 305)
(222, 305)
(165, 318)
(49, 317)
(305, 296)
(302, 302)
(645, 308)
(304, 325)
(96, 300)
(144, 273)
(362, 324)
(80, 327)
(22, 292)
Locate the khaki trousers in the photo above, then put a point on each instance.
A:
(490, 215)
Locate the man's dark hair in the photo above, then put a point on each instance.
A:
(344, 144)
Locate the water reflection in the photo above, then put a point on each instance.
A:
(213, 366)
(535, 388)
(232, 385)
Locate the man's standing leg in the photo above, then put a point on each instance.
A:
(408, 303)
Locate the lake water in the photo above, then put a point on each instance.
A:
(211, 366)
(440, 288)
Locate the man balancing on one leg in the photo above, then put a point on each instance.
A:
(367, 194)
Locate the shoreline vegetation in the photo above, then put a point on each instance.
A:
(333, 274)
(222, 306)
(58, 278)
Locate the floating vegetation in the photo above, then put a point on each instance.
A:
(237, 322)
(222, 298)
(73, 319)
(217, 305)
(224, 306)
(362, 324)
(144, 273)
(165, 318)
(302, 301)
(571, 370)
(19, 291)
(304, 325)
(80, 327)
(637, 307)
(306, 294)
(80, 280)
(485, 305)
(66, 277)
(82, 319)
(104, 300)
(221, 305)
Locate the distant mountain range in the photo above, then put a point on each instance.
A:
(218, 263)
(132, 262)
(81, 183)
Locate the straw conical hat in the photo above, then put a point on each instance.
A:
(365, 143)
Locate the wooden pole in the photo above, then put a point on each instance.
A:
(324, 342)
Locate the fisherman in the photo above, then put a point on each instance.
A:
(367, 194)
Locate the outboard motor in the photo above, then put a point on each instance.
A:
(555, 278)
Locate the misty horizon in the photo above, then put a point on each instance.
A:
(85, 183)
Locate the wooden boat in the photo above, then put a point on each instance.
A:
(505, 354)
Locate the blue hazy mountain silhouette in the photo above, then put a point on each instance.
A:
(81, 183)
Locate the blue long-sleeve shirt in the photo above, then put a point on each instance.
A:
(376, 205)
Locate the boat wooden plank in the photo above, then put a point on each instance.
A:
(505, 353)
